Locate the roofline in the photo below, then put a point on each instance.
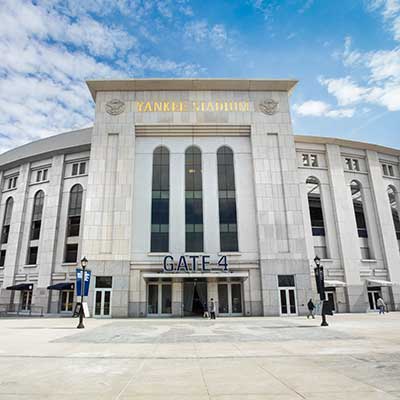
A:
(63, 143)
(209, 84)
(346, 143)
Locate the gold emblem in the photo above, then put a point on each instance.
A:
(115, 107)
(269, 107)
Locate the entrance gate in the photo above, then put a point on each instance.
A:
(194, 297)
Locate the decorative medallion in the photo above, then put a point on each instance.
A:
(115, 107)
(269, 107)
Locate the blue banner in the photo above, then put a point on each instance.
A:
(88, 274)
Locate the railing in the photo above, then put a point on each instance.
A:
(16, 309)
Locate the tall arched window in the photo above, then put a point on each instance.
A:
(74, 210)
(395, 212)
(315, 206)
(160, 201)
(37, 215)
(360, 219)
(193, 200)
(7, 220)
(227, 200)
(36, 224)
(358, 209)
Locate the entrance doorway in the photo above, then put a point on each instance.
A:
(373, 295)
(102, 297)
(194, 297)
(26, 300)
(287, 294)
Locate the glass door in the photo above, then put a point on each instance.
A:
(159, 299)
(26, 300)
(102, 303)
(288, 301)
(66, 300)
(331, 297)
(230, 298)
(373, 295)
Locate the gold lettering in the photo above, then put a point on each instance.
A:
(166, 106)
(157, 106)
(244, 106)
(147, 107)
(139, 105)
(183, 106)
(210, 106)
(174, 106)
(195, 106)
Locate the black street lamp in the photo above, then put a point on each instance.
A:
(319, 279)
(84, 262)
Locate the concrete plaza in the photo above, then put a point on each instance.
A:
(356, 357)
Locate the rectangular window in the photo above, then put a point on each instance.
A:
(38, 176)
(82, 168)
(32, 255)
(35, 230)
(74, 224)
(348, 163)
(385, 169)
(4, 234)
(71, 253)
(306, 160)
(2, 257)
(45, 174)
(12, 182)
(391, 171)
(286, 280)
(314, 160)
(356, 165)
(74, 169)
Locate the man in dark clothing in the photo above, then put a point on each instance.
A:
(212, 309)
(311, 308)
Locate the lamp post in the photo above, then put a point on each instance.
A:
(319, 279)
(84, 262)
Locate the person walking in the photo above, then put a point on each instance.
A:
(205, 312)
(311, 308)
(381, 304)
(212, 308)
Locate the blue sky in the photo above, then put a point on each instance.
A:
(345, 53)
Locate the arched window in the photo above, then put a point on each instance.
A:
(227, 200)
(395, 212)
(74, 210)
(36, 224)
(315, 206)
(360, 219)
(7, 220)
(160, 201)
(193, 200)
(37, 215)
(358, 209)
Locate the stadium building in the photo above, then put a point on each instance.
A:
(186, 190)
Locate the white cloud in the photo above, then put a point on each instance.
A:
(316, 108)
(48, 50)
(200, 32)
(345, 90)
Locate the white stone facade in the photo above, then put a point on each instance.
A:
(275, 238)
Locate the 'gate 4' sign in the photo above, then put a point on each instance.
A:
(193, 264)
(88, 274)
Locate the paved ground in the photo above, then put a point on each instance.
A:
(356, 357)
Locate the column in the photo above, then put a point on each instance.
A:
(386, 231)
(349, 247)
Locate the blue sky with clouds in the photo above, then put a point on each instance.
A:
(345, 53)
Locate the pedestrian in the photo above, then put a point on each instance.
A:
(205, 312)
(311, 308)
(212, 308)
(381, 304)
